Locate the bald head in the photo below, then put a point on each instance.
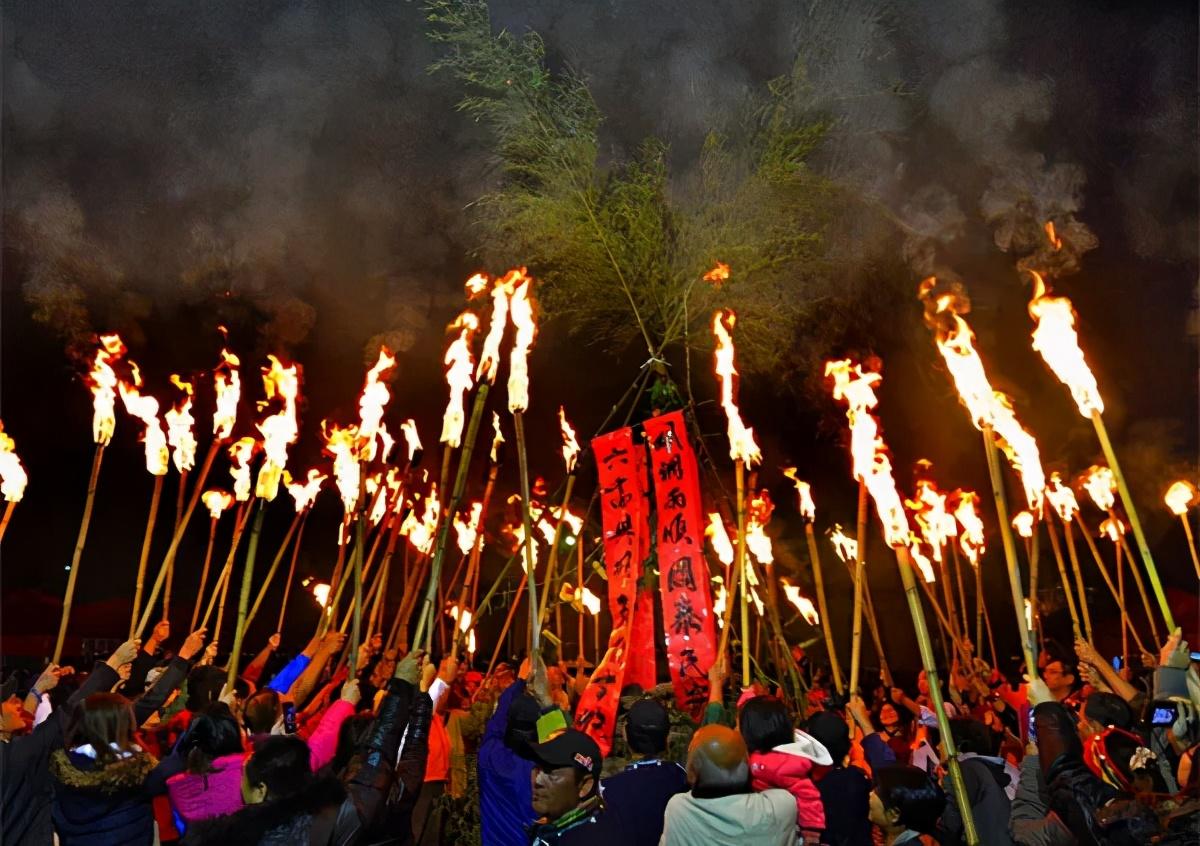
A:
(717, 758)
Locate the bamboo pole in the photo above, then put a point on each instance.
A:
(856, 576)
(826, 624)
(1126, 626)
(212, 537)
(226, 578)
(1136, 524)
(1010, 551)
(552, 563)
(579, 586)
(337, 580)
(275, 562)
(12, 505)
(1117, 596)
(80, 540)
(987, 618)
(527, 522)
(471, 579)
(244, 595)
(239, 527)
(1183, 518)
(508, 621)
(287, 585)
(962, 594)
(1085, 614)
(1141, 586)
(1066, 581)
(904, 563)
(355, 641)
(1032, 551)
(743, 597)
(147, 538)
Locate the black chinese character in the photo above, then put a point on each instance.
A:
(685, 616)
(672, 468)
(680, 576)
(676, 530)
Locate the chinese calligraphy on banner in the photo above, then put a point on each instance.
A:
(683, 572)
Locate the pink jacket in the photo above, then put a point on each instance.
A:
(199, 797)
(789, 767)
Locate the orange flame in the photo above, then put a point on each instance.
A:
(102, 380)
(241, 452)
(320, 593)
(279, 430)
(421, 534)
(989, 408)
(742, 446)
(476, 285)
(1179, 497)
(145, 408)
(570, 448)
(489, 356)
(412, 440)
(179, 428)
(1062, 498)
(970, 539)
(1055, 338)
(497, 437)
(227, 381)
(518, 533)
(921, 559)
(758, 543)
(216, 501)
(347, 474)
(803, 604)
(1023, 523)
(718, 538)
(808, 509)
(1113, 528)
(521, 309)
(589, 601)
(13, 478)
(719, 275)
(1100, 484)
(719, 600)
(371, 402)
(459, 367)
(1052, 236)
(468, 530)
(935, 523)
(846, 546)
(305, 493)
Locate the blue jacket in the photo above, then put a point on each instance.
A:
(505, 791)
(286, 677)
(637, 798)
(105, 805)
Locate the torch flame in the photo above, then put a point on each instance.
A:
(12, 475)
(412, 440)
(1052, 236)
(1062, 498)
(719, 599)
(521, 309)
(570, 448)
(145, 408)
(845, 546)
(305, 493)
(371, 402)
(321, 593)
(497, 438)
(216, 501)
(459, 367)
(719, 275)
(468, 530)
(988, 408)
(489, 356)
(742, 446)
(179, 428)
(803, 604)
(758, 543)
(1023, 523)
(589, 601)
(808, 509)
(421, 533)
(476, 285)
(240, 453)
(278, 430)
(227, 381)
(1100, 484)
(718, 537)
(103, 383)
(340, 443)
(970, 539)
(936, 524)
(921, 560)
(1113, 527)
(518, 533)
(1179, 497)
(1055, 338)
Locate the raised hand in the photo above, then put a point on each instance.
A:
(193, 644)
(351, 692)
(124, 654)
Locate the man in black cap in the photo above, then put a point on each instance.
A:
(638, 796)
(566, 788)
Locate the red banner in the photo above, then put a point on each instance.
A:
(640, 668)
(683, 571)
(623, 512)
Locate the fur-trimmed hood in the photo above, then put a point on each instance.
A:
(128, 773)
(251, 825)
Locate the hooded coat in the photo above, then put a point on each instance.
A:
(104, 803)
(986, 781)
(790, 767)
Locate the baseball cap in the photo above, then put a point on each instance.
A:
(649, 715)
(568, 748)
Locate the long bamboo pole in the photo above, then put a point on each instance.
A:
(527, 522)
(1183, 518)
(80, 540)
(275, 562)
(1141, 586)
(1136, 524)
(12, 506)
(212, 537)
(151, 517)
(222, 585)
(962, 593)
(1126, 626)
(471, 579)
(1032, 549)
(740, 557)
(904, 563)
(356, 632)
(287, 585)
(856, 576)
(826, 624)
(1010, 551)
(1066, 581)
(244, 595)
(885, 671)
(1080, 591)
(552, 563)
(1118, 596)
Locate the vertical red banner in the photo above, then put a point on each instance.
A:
(640, 668)
(623, 504)
(683, 572)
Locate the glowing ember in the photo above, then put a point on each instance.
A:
(476, 285)
(808, 509)
(241, 452)
(970, 539)
(179, 428)
(412, 440)
(145, 408)
(227, 381)
(521, 309)
(1062, 498)
(305, 493)
(1052, 236)
(719, 275)
(489, 356)
(1023, 523)
(989, 409)
(13, 478)
(1179, 497)
(570, 448)
(497, 437)
(468, 530)
(216, 501)
(320, 593)
(279, 430)
(340, 443)
(371, 402)
(1113, 528)
(459, 367)
(102, 381)
(718, 538)
(1055, 338)
(742, 446)
(845, 546)
(803, 604)
(1101, 485)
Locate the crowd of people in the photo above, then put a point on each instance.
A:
(154, 746)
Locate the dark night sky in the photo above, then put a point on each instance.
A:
(290, 169)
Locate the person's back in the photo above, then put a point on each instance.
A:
(505, 794)
(985, 780)
(845, 788)
(638, 795)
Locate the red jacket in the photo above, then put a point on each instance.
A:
(790, 767)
